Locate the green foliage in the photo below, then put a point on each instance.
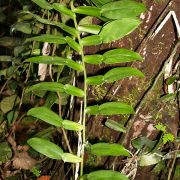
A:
(5, 152)
(166, 137)
(122, 9)
(60, 25)
(127, 26)
(107, 149)
(115, 126)
(110, 108)
(105, 174)
(49, 149)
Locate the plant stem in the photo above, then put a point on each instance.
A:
(85, 92)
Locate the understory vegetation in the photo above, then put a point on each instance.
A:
(50, 93)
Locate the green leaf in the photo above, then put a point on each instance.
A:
(171, 79)
(72, 90)
(55, 60)
(93, 59)
(68, 157)
(22, 27)
(46, 115)
(88, 10)
(168, 97)
(66, 28)
(90, 28)
(5, 152)
(74, 65)
(117, 29)
(39, 18)
(46, 148)
(149, 159)
(99, 3)
(87, 20)
(63, 9)
(105, 175)
(72, 126)
(115, 126)
(115, 108)
(6, 58)
(10, 41)
(63, 26)
(120, 56)
(91, 40)
(73, 44)
(119, 73)
(8, 103)
(107, 149)
(122, 9)
(95, 80)
(143, 142)
(48, 38)
(43, 4)
(47, 86)
(92, 110)
(110, 108)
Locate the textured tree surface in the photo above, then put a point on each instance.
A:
(143, 93)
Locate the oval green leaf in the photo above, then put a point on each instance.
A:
(43, 4)
(91, 40)
(88, 10)
(90, 28)
(63, 9)
(149, 159)
(73, 44)
(107, 149)
(115, 108)
(119, 73)
(105, 175)
(71, 158)
(47, 60)
(47, 86)
(48, 38)
(72, 126)
(72, 90)
(74, 65)
(95, 80)
(143, 142)
(46, 115)
(22, 27)
(66, 28)
(92, 110)
(117, 29)
(120, 56)
(122, 9)
(115, 126)
(46, 148)
(100, 3)
(93, 59)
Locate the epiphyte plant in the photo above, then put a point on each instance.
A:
(117, 19)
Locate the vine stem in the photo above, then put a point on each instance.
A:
(85, 92)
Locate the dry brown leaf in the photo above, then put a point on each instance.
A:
(44, 178)
(22, 160)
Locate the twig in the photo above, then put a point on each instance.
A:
(173, 163)
(63, 131)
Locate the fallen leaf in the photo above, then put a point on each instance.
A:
(44, 178)
(8, 103)
(22, 160)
